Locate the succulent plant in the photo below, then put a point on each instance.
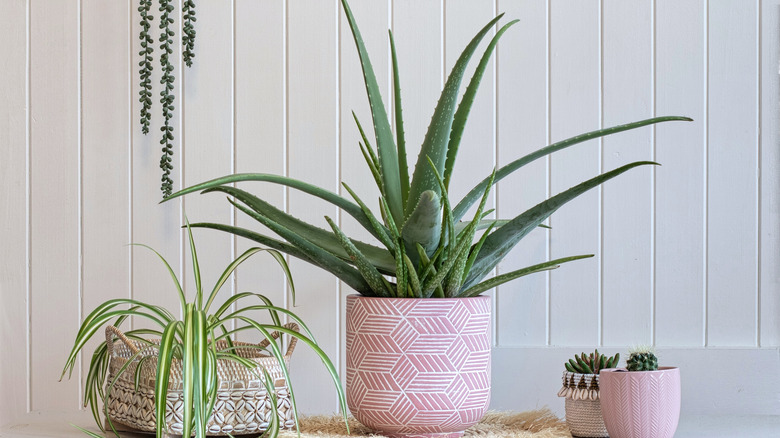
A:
(591, 364)
(642, 359)
(426, 250)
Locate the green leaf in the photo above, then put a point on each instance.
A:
(379, 230)
(367, 270)
(164, 359)
(424, 223)
(506, 237)
(195, 268)
(437, 138)
(388, 157)
(182, 298)
(474, 194)
(462, 114)
(189, 378)
(314, 253)
(403, 166)
(380, 257)
(344, 204)
(509, 276)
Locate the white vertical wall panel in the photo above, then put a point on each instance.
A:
(769, 282)
(419, 33)
(260, 139)
(13, 211)
(105, 158)
(153, 224)
(313, 157)
(521, 91)
(627, 212)
(208, 125)
(373, 18)
(574, 109)
(476, 154)
(732, 214)
(680, 85)
(55, 204)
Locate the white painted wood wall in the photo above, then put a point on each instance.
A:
(687, 254)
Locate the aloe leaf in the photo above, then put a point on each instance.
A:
(164, 359)
(438, 136)
(403, 166)
(257, 237)
(374, 161)
(475, 251)
(481, 225)
(424, 223)
(380, 257)
(371, 166)
(388, 157)
(509, 276)
(414, 281)
(314, 253)
(506, 237)
(474, 194)
(379, 230)
(401, 276)
(462, 114)
(344, 204)
(367, 270)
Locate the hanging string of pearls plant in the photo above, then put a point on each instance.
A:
(167, 78)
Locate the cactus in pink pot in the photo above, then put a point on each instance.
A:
(642, 401)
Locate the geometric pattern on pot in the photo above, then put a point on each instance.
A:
(418, 367)
(641, 404)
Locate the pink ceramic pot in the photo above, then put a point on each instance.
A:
(640, 404)
(418, 367)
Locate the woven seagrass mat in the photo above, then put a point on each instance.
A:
(533, 424)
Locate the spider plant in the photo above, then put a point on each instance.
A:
(426, 249)
(194, 341)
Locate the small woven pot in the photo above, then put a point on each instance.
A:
(243, 404)
(583, 405)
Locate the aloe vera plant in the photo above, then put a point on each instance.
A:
(194, 340)
(426, 249)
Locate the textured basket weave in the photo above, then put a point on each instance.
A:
(243, 405)
(583, 405)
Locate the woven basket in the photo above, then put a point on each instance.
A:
(243, 405)
(583, 405)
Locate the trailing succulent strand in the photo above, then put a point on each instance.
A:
(188, 31)
(167, 79)
(591, 364)
(427, 249)
(166, 94)
(145, 73)
(642, 359)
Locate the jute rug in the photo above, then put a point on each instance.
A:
(533, 424)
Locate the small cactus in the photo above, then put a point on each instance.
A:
(591, 364)
(642, 359)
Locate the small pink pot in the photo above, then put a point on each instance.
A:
(418, 367)
(640, 404)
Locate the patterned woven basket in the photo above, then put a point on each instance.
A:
(243, 405)
(583, 405)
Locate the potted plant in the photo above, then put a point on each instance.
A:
(642, 400)
(194, 378)
(418, 336)
(581, 391)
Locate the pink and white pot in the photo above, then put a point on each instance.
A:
(418, 367)
(640, 404)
